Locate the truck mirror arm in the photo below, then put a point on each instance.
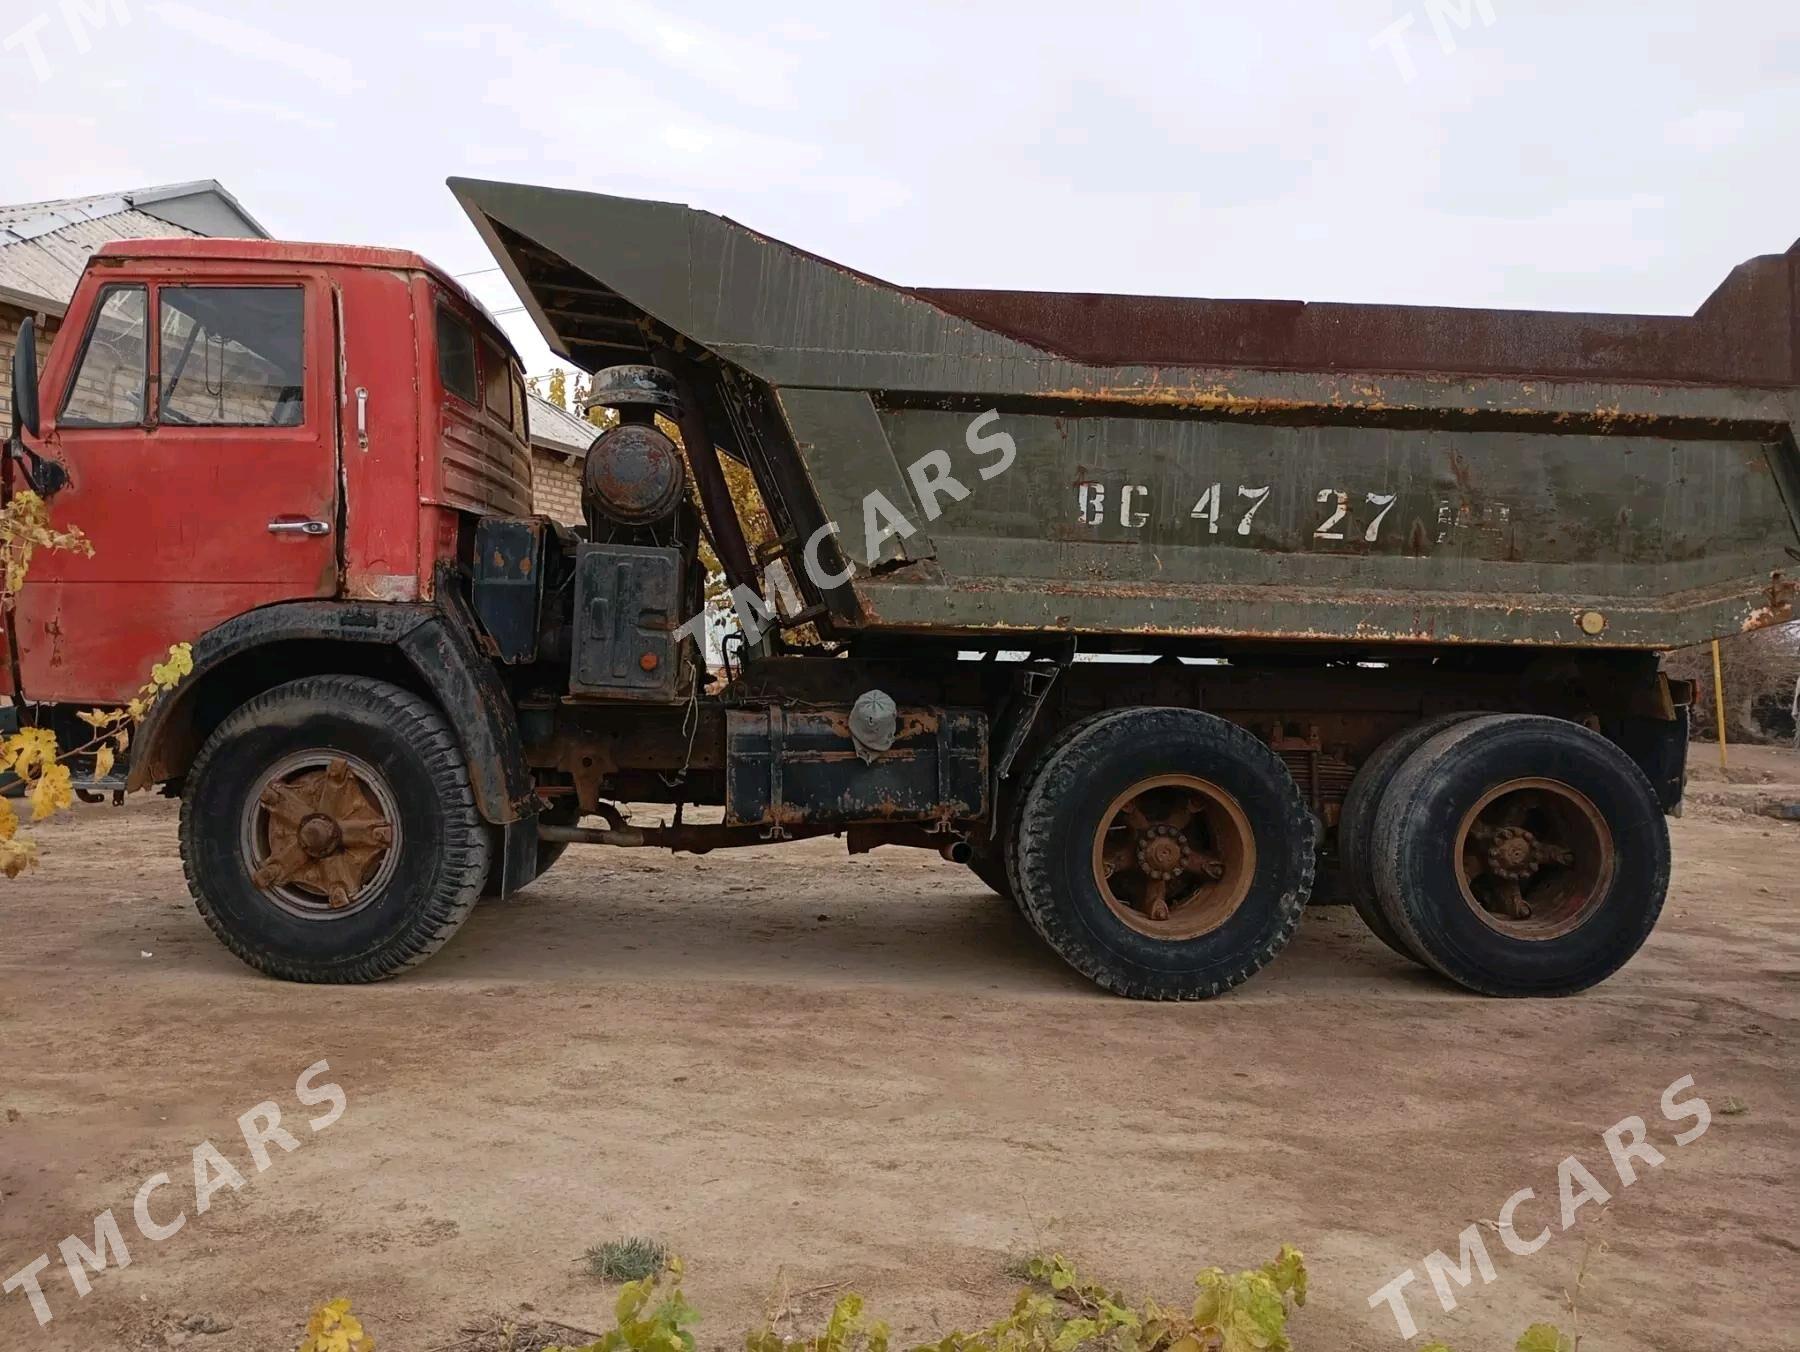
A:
(47, 478)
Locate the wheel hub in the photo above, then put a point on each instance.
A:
(1533, 857)
(1512, 853)
(320, 835)
(1173, 856)
(1161, 852)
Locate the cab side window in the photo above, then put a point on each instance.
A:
(114, 372)
(233, 356)
(456, 358)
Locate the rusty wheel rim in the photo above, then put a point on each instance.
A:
(1534, 858)
(321, 835)
(1174, 856)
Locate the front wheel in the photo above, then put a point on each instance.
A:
(329, 832)
(1163, 853)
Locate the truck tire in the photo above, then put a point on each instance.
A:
(1165, 854)
(1521, 855)
(1356, 823)
(329, 832)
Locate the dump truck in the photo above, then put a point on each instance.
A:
(1156, 613)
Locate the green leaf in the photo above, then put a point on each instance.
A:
(1543, 1338)
(1073, 1334)
(1288, 1272)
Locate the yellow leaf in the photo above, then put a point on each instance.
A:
(103, 762)
(122, 740)
(333, 1328)
(9, 822)
(166, 675)
(51, 792)
(30, 750)
(97, 718)
(16, 856)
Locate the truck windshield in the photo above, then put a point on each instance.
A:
(109, 386)
(233, 356)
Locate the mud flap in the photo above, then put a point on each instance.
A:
(518, 856)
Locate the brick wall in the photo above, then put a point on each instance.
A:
(555, 487)
(11, 317)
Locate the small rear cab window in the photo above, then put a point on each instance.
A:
(496, 378)
(456, 357)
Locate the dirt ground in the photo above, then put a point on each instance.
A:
(790, 1064)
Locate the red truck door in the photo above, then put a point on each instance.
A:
(198, 424)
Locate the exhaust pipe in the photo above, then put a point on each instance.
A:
(629, 837)
(958, 851)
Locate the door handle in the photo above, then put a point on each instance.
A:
(299, 528)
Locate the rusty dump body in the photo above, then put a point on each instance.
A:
(1209, 472)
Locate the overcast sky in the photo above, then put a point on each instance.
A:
(1597, 156)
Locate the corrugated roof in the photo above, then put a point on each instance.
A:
(26, 220)
(44, 245)
(48, 265)
(553, 429)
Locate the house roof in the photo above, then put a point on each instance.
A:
(553, 429)
(44, 245)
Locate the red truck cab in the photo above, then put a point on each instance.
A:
(240, 421)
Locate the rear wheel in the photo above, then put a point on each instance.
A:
(329, 832)
(1163, 853)
(1521, 855)
(1356, 823)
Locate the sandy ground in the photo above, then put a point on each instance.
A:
(786, 1062)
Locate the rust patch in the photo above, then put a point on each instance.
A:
(1780, 608)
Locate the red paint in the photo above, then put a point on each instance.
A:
(179, 515)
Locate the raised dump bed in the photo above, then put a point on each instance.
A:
(1212, 472)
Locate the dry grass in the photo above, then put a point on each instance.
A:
(630, 1259)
